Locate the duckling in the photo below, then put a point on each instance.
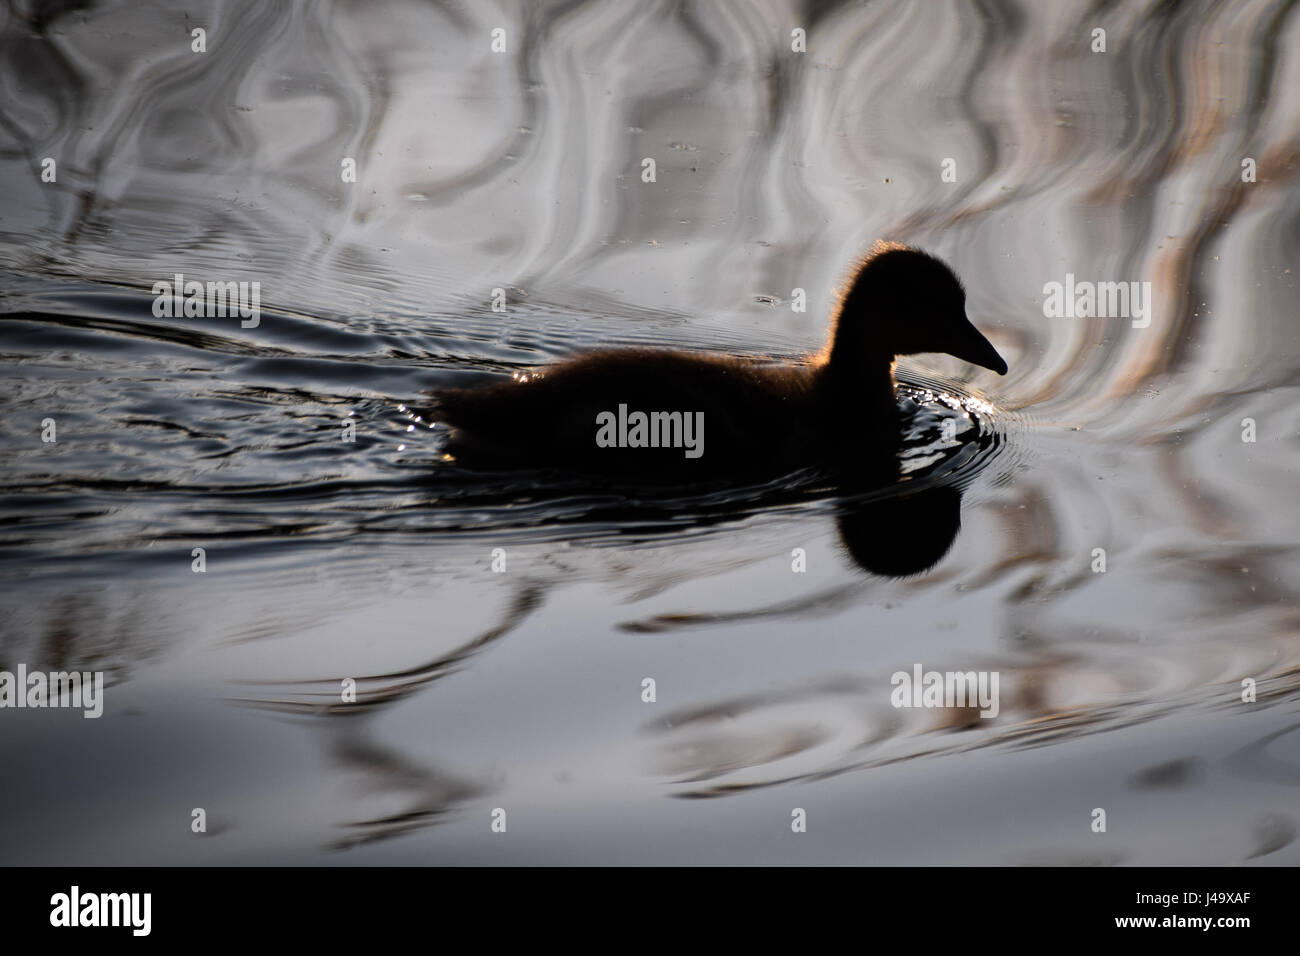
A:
(656, 416)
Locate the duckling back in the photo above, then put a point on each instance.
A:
(641, 415)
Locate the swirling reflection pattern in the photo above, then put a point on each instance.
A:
(522, 171)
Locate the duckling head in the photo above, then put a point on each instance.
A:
(901, 302)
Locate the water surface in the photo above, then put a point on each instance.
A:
(521, 689)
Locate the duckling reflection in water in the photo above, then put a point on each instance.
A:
(761, 419)
(903, 535)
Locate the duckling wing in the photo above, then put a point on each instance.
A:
(552, 420)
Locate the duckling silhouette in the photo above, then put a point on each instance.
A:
(610, 413)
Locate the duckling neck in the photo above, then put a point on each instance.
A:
(862, 395)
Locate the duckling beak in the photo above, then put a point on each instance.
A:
(971, 346)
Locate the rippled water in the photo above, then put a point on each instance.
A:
(521, 688)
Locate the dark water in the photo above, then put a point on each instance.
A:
(521, 688)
